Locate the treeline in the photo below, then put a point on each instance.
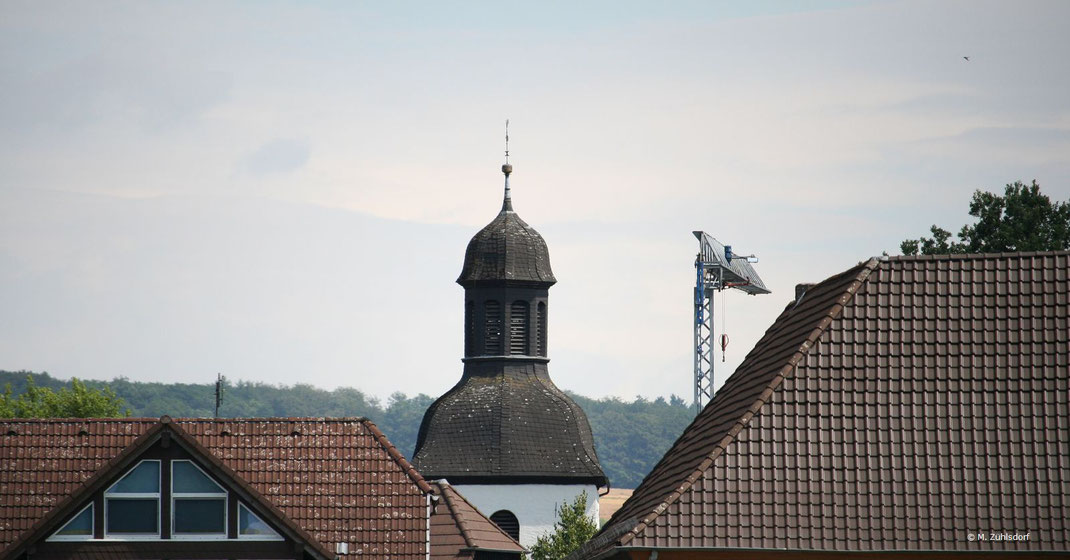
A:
(629, 436)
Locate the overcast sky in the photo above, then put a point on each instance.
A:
(283, 192)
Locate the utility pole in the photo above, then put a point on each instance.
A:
(219, 380)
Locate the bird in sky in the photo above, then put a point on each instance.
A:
(967, 58)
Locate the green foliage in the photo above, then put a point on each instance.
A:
(76, 401)
(1023, 219)
(630, 437)
(571, 530)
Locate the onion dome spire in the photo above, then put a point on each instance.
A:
(507, 204)
(506, 422)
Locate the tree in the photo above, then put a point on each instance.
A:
(1023, 219)
(78, 401)
(571, 530)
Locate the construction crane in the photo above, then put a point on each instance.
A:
(716, 268)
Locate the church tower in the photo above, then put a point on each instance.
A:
(511, 442)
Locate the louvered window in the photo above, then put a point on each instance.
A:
(469, 328)
(507, 522)
(492, 312)
(518, 328)
(540, 328)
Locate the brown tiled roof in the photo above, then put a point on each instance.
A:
(339, 480)
(898, 406)
(456, 526)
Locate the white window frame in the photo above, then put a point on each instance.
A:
(56, 537)
(223, 493)
(144, 495)
(275, 537)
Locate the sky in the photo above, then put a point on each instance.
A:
(283, 192)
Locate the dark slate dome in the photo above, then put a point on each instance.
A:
(507, 424)
(507, 249)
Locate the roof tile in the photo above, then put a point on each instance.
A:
(377, 505)
(933, 405)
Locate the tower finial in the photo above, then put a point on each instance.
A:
(507, 168)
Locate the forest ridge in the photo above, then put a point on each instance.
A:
(629, 436)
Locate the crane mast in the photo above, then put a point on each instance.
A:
(716, 268)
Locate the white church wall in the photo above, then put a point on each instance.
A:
(534, 505)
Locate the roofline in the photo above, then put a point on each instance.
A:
(461, 525)
(398, 458)
(522, 478)
(67, 505)
(150, 420)
(184, 438)
(733, 552)
(970, 256)
(127, 457)
(866, 269)
(469, 545)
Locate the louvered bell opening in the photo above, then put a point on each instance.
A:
(469, 328)
(540, 328)
(492, 313)
(518, 328)
(507, 522)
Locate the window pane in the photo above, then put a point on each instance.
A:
(190, 479)
(81, 525)
(133, 516)
(250, 523)
(200, 515)
(144, 479)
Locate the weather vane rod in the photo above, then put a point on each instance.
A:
(507, 168)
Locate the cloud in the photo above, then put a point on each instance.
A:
(279, 156)
(205, 235)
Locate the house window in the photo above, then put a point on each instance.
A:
(518, 328)
(540, 328)
(492, 312)
(79, 528)
(507, 522)
(132, 505)
(250, 526)
(198, 504)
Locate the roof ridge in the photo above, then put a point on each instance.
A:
(972, 256)
(396, 455)
(79, 420)
(244, 485)
(153, 420)
(87, 487)
(332, 419)
(863, 275)
(446, 489)
(783, 315)
(461, 525)
(127, 456)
